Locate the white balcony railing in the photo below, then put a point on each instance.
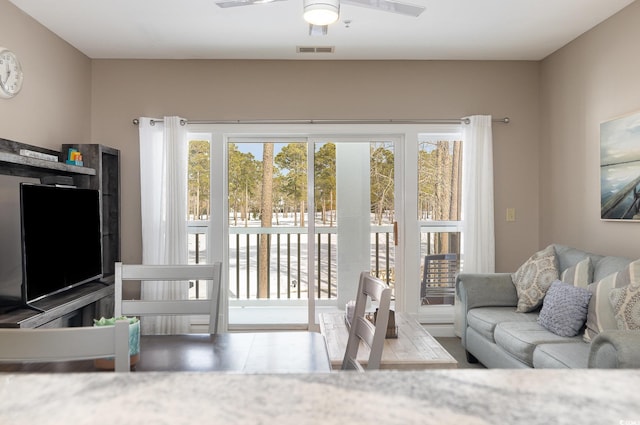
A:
(288, 278)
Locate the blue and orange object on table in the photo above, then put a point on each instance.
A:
(74, 157)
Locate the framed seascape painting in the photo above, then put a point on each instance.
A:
(620, 168)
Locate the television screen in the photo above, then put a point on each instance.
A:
(10, 250)
(61, 239)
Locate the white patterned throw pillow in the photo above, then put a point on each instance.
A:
(601, 315)
(534, 277)
(626, 306)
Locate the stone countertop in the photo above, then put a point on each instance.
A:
(441, 397)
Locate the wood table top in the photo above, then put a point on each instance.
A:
(414, 348)
(251, 352)
(245, 352)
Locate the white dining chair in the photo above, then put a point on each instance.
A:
(37, 345)
(361, 329)
(163, 273)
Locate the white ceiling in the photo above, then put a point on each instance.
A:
(199, 29)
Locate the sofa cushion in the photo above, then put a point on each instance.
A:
(564, 309)
(534, 277)
(521, 338)
(568, 256)
(580, 274)
(626, 306)
(485, 319)
(562, 355)
(601, 315)
(608, 265)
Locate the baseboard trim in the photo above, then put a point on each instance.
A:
(440, 330)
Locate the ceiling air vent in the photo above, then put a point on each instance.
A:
(315, 49)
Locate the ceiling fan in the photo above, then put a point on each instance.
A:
(325, 12)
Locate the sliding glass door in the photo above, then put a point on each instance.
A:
(268, 230)
(305, 216)
(296, 215)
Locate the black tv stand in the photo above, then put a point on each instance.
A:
(106, 280)
(8, 308)
(55, 310)
(32, 307)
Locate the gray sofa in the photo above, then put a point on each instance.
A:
(495, 334)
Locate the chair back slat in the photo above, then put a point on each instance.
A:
(165, 308)
(166, 273)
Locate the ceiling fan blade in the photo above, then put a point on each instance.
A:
(234, 3)
(388, 6)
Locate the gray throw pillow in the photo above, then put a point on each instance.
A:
(564, 310)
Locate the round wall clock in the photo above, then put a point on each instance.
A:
(10, 73)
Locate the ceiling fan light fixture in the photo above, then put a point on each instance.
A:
(321, 12)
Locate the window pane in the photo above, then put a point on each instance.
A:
(267, 219)
(439, 201)
(383, 211)
(439, 168)
(326, 242)
(198, 208)
(380, 210)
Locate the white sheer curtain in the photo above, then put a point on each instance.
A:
(163, 207)
(477, 196)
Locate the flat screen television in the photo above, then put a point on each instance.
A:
(61, 239)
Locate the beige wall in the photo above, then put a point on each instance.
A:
(208, 89)
(591, 80)
(54, 104)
